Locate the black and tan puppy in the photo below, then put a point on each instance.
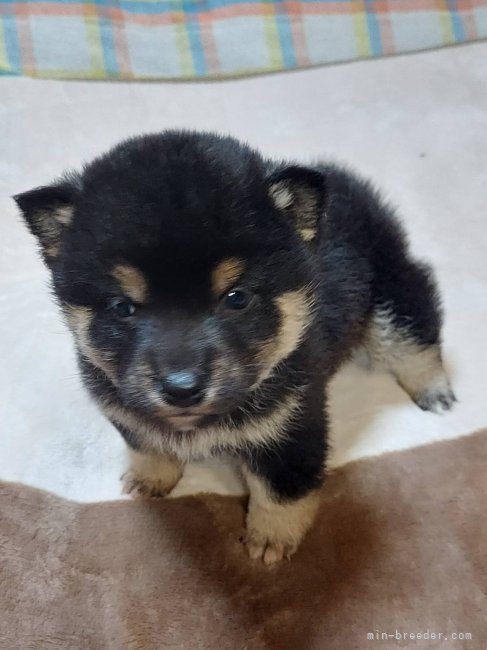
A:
(212, 294)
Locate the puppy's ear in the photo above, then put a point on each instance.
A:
(300, 192)
(47, 211)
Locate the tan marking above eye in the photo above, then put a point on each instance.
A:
(225, 275)
(132, 282)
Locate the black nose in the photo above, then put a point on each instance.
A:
(182, 388)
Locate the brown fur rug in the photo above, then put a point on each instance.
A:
(399, 548)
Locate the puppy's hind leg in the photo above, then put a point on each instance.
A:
(426, 381)
(417, 367)
(403, 338)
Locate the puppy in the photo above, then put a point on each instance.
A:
(212, 294)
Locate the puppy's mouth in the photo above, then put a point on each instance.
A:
(190, 421)
(196, 417)
(185, 421)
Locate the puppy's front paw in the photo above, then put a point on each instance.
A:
(151, 476)
(143, 487)
(275, 529)
(261, 547)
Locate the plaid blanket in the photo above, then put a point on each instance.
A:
(185, 39)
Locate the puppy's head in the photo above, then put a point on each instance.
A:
(182, 265)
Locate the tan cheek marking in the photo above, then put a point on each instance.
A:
(140, 379)
(296, 311)
(275, 530)
(79, 320)
(132, 282)
(225, 274)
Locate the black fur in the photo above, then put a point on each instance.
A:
(176, 204)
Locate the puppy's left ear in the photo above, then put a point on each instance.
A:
(47, 211)
(300, 192)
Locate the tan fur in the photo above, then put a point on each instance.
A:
(307, 234)
(281, 194)
(225, 275)
(418, 369)
(222, 374)
(421, 368)
(151, 475)
(79, 320)
(296, 310)
(52, 250)
(63, 215)
(140, 379)
(50, 224)
(275, 530)
(206, 442)
(300, 203)
(132, 282)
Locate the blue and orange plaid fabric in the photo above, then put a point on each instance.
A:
(185, 39)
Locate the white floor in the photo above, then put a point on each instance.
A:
(416, 124)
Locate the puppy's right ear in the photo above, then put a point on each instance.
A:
(47, 211)
(299, 192)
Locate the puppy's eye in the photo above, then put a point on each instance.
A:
(237, 299)
(123, 308)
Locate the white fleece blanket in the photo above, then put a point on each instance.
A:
(415, 124)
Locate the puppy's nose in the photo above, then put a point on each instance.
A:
(182, 388)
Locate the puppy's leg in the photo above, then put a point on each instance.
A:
(151, 475)
(283, 481)
(275, 527)
(404, 337)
